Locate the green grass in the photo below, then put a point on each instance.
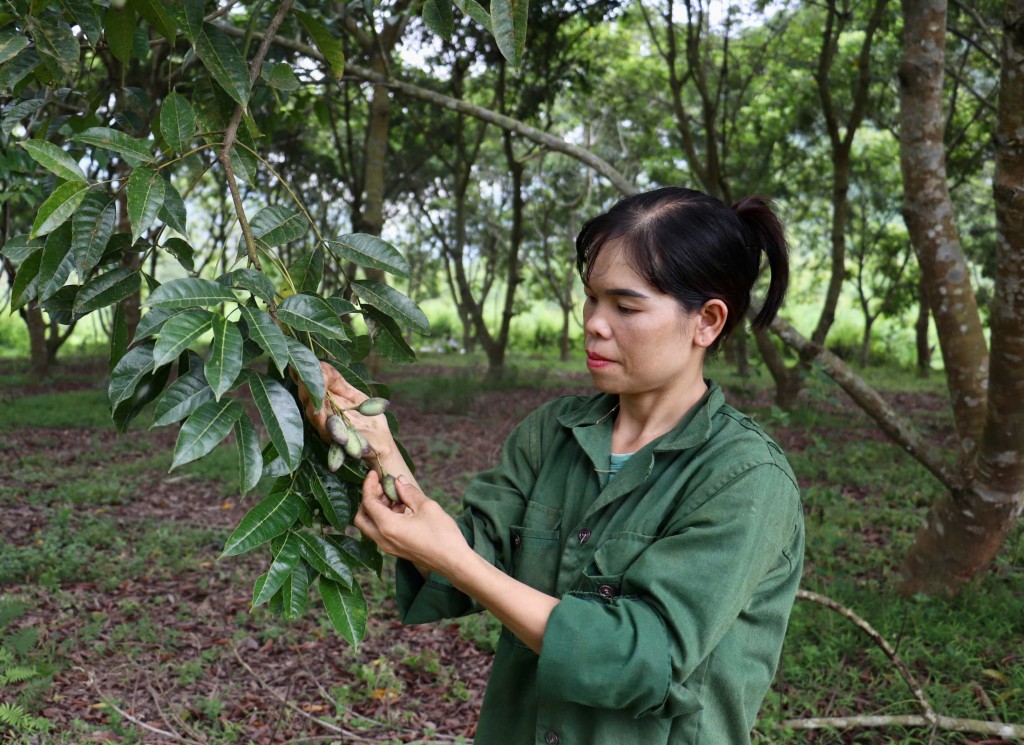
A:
(864, 498)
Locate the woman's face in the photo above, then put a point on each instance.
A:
(638, 339)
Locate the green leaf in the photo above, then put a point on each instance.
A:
(307, 271)
(20, 247)
(245, 166)
(266, 333)
(437, 14)
(153, 320)
(295, 593)
(270, 518)
(133, 150)
(148, 388)
(57, 262)
(395, 304)
(119, 30)
(325, 558)
(281, 418)
(308, 367)
(189, 292)
(475, 11)
(19, 111)
(180, 333)
(310, 313)
(346, 607)
(341, 306)
(128, 371)
(118, 336)
(59, 206)
(286, 559)
(177, 122)
(508, 21)
(250, 459)
(145, 190)
(189, 16)
(92, 225)
(330, 47)
(250, 279)
(222, 58)
(182, 251)
(11, 43)
(204, 429)
(370, 251)
(85, 16)
(26, 281)
(173, 210)
(186, 394)
(57, 45)
(387, 336)
(279, 75)
(225, 361)
(277, 225)
(107, 289)
(54, 159)
(332, 497)
(23, 64)
(157, 17)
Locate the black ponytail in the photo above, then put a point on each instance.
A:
(764, 232)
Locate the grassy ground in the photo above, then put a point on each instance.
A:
(118, 623)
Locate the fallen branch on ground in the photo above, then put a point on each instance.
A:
(929, 718)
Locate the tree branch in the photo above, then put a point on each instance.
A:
(231, 134)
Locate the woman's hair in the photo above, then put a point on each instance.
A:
(689, 245)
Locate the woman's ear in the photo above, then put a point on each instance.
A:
(710, 322)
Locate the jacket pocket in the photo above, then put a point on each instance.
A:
(535, 547)
(612, 560)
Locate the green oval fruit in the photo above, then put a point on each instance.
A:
(337, 429)
(354, 445)
(373, 406)
(335, 457)
(390, 489)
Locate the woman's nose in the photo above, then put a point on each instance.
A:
(594, 323)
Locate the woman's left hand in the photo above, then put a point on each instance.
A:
(417, 528)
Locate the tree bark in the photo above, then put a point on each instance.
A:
(921, 327)
(968, 526)
(928, 213)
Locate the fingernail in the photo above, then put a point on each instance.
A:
(402, 480)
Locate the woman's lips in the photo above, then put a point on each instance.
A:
(596, 361)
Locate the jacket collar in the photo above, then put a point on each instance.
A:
(598, 412)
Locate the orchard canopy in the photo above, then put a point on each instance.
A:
(236, 191)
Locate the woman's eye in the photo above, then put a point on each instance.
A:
(626, 311)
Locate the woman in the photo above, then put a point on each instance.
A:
(642, 547)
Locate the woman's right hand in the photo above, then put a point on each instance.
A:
(346, 397)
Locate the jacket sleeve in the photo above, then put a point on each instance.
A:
(494, 500)
(740, 549)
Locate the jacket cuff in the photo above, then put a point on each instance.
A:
(423, 600)
(611, 654)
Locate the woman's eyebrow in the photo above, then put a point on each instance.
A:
(626, 292)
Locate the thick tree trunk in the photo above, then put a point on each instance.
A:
(788, 380)
(921, 326)
(968, 526)
(928, 213)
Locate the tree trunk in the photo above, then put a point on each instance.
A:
(921, 326)
(788, 380)
(865, 343)
(968, 526)
(928, 213)
(39, 357)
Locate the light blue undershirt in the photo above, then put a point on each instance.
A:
(617, 459)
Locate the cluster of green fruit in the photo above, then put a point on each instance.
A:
(347, 441)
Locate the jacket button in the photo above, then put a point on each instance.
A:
(584, 535)
(517, 540)
(551, 737)
(606, 590)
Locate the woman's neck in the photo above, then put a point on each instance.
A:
(642, 418)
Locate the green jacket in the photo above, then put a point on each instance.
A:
(676, 578)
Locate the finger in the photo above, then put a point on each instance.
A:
(409, 493)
